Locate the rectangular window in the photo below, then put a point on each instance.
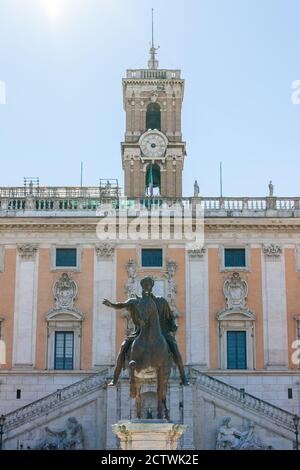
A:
(152, 257)
(64, 350)
(236, 350)
(235, 258)
(66, 257)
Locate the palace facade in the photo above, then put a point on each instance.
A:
(235, 297)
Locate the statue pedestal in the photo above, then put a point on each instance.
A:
(148, 434)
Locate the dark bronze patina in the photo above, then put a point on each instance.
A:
(152, 346)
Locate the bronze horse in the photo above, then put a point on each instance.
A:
(149, 357)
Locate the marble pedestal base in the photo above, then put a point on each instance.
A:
(148, 434)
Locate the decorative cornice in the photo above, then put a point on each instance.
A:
(89, 224)
(27, 251)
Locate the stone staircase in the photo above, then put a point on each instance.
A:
(208, 399)
(55, 400)
(244, 400)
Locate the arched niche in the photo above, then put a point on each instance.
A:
(153, 116)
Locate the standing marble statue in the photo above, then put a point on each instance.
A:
(196, 189)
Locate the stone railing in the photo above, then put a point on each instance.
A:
(54, 400)
(243, 399)
(95, 201)
(150, 74)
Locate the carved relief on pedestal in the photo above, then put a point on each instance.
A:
(27, 251)
(272, 251)
(104, 251)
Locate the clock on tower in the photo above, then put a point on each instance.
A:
(153, 151)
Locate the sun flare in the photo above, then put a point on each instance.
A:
(53, 9)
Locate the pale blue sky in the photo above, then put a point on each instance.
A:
(63, 72)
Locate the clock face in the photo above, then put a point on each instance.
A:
(153, 145)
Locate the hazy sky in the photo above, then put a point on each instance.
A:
(63, 60)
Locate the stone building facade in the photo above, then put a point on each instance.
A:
(235, 297)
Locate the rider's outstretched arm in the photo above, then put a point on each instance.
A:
(117, 305)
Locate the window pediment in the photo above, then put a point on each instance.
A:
(236, 314)
(64, 314)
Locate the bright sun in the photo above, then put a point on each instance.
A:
(53, 9)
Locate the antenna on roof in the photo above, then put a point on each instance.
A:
(81, 174)
(153, 63)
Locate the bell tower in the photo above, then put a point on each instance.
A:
(153, 150)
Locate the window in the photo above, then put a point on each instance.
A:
(236, 350)
(0, 329)
(64, 350)
(152, 258)
(235, 257)
(66, 257)
(153, 117)
(153, 180)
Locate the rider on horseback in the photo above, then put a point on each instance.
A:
(167, 324)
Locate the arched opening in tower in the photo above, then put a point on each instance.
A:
(153, 180)
(153, 117)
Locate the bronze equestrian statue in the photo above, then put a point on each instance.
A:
(150, 347)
